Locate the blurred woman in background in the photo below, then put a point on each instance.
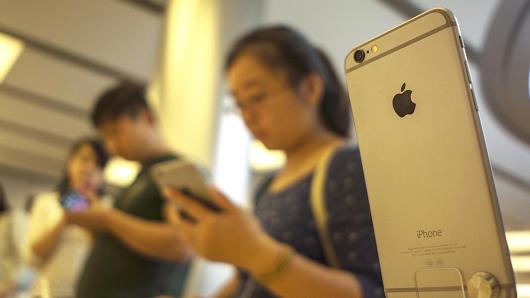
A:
(15, 275)
(59, 249)
(291, 100)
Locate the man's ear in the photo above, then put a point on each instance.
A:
(312, 89)
(148, 116)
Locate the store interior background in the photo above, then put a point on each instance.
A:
(56, 56)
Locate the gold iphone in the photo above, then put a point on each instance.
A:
(436, 217)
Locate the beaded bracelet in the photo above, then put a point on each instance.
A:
(284, 261)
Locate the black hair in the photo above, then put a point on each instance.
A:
(4, 206)
(101, 154)
(282, 48)
(124, 99)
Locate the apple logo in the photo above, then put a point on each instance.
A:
(402, 102)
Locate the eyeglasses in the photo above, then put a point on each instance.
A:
(256, 101)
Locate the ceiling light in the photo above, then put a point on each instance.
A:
(121, 172)
(10, 49)
(518, 241)
(521, 263)
(523, 290)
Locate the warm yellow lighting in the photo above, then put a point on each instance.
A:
(518, 241)
(10, 49)
(262, 159)
(121, 172)
(189, 70)
(521, 263)
(523, 290)
(153, 93)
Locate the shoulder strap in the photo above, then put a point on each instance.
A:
(318, 207)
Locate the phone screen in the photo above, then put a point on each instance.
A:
(74, 201)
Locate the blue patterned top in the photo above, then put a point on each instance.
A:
(287, 216)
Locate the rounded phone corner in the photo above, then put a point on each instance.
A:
(346, 63)
(448, 15)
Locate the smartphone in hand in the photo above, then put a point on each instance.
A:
(74, 201)
(186, 177)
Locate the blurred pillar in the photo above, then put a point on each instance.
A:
(186, 92)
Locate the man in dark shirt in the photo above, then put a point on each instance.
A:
(135, 253)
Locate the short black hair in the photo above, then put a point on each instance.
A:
(124, 99)
(4, 206)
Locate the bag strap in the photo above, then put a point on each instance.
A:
(318, 207)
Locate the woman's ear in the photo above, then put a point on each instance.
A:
(312, 89)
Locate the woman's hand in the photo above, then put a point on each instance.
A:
(93, 218)
(231, 236)
(94, 201)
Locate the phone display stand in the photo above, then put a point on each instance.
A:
(440, 283)
(449, 283)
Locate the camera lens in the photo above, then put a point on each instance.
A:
(359, 56)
